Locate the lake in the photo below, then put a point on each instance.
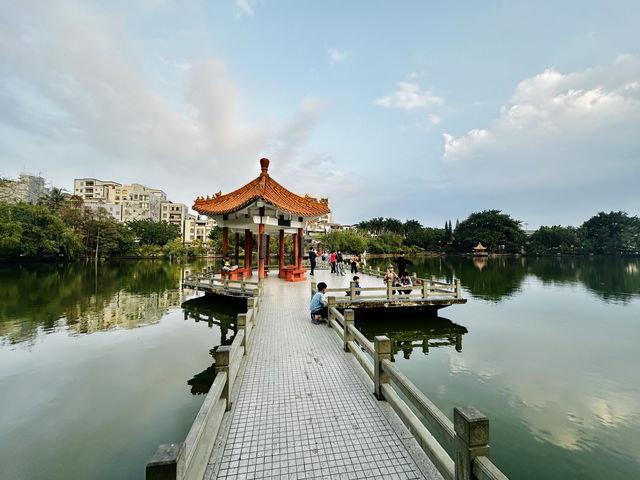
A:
(99, 367)
(547, 348)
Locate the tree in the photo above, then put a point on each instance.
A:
(497, 231)
(54, 200)
(554, 239)
(174, 249)
(154, 233)
(611, 233)
(197, 248)
(345, 241)
(32, 231)
(215, 236)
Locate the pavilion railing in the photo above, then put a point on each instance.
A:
(209, 279)
(427, 289)
(467, 436)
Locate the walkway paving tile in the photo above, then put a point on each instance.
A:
(303, 410)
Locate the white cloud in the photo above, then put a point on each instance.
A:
(245, 7)
(336, 56)
(74, 84)
(579, 127)
(409, 96)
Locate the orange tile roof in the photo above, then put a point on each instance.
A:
(267, 189)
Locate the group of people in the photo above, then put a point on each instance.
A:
(336, 260)
(402, 279)
(319, 302)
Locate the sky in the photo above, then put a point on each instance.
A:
(414, 110)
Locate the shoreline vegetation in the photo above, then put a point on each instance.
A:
(61, 229)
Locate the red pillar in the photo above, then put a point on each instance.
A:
(281, 253)
(250, 252)
(295, 249)
(260, 247)
(225, 240)
(268, 262)
(237, 247)
(247, 261)
(300, 252)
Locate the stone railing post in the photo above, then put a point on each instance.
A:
(313, 288)
(349, 321)
(330, 305)
(433, 279)
(256, 294)
(472, 440)
(353, 290)
(458, 290)
(251, 303)
(226, 282)
(382, 351)
(425, 288)
(164, 463)
(389, 290)
(223, 355)
(242, 325)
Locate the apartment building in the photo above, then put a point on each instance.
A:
(174, 213)
(93, 190)
(112, 209)
(323, 224)
(138, 201)
(197, 227)
(28, 189)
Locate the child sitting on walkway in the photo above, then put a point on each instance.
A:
(319, 302)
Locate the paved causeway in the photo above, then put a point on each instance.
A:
(303, 407)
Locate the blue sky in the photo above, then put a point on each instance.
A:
(424, 110)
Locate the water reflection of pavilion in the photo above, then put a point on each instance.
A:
(409, 334)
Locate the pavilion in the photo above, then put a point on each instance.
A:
(480, 250)
(262, 208)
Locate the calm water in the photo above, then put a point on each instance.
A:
(99, 368)
(546, 348)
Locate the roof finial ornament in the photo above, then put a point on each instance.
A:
(264, 165)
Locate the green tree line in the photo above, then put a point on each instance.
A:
(60, 228)
(613, 233)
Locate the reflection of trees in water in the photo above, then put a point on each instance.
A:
(222, 312)
(411, 332)
(494, 278)
(611, 278)
(116, 293)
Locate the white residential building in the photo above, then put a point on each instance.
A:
(138, 202)
(197, 227)
(28, 189)
(174, 213)
(323, 224)
(112, 209)
(93, 190)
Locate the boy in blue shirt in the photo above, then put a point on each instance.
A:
(318, 307)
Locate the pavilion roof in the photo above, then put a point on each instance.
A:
(266, 188)
(480, 247)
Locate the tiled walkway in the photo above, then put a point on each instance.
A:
(303, 409)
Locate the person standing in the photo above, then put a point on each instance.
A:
(312, 259)
(402, 263)
(332, 259)
(339, 264)
(354, 264)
